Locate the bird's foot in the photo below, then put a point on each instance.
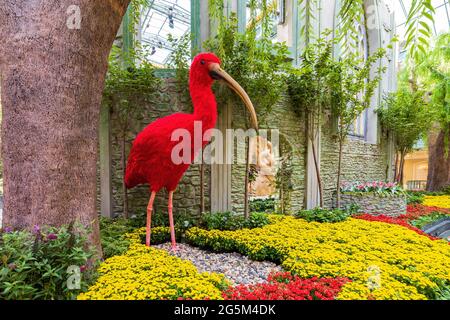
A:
(174, 248)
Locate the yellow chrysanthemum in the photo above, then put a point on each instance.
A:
(437, 201)
(384, 261)
(144, 273)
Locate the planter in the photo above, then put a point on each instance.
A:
(374, 204)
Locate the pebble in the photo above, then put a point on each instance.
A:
(237, 268)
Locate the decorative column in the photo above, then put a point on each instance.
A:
(221, 173)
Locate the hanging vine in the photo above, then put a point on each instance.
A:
(126, 90)
(419, 23)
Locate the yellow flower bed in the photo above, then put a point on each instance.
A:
(384, 261)
(437, 201)
(144, 273)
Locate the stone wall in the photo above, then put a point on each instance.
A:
(391, 206)
(361, 161)
(187, 195)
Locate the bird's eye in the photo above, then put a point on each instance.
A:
(202, 61)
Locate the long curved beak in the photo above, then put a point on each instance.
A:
(216, 72)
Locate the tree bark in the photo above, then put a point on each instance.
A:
(396, 166)
(438, 161)
(52, 68)
(402, 167)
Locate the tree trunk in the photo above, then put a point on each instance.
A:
(396, 166)
(338, 183)
(402, 167)
(53, 61)
(438, 161)
(319, 178)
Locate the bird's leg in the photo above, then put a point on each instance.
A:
(172, 228)
(149, 218)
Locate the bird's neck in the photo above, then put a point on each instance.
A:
(205, 106)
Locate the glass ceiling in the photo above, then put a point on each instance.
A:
(162, 18)
(173, 17)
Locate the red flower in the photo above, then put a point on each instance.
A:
(285, 286)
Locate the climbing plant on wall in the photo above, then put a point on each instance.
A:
(251, 58)
(309, 93)
(351, 87)
(126, 90)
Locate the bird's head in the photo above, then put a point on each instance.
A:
(206, 68)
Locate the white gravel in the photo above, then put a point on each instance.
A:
(237, 268)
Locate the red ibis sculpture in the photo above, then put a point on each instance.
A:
(150, 160)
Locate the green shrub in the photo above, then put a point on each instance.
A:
(323, 215)
(446, 190)
(256, 220)
(160, 235)
(263, 205)
(415, 197)
(231, 221)
(161, 219)
(112, 235)
(424, 220)
(37, 265)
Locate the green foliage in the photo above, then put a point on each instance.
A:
(433, 74)
(161, 235)
(231, 221)
(406, 114)
(126, 88)
(36, 265)
(263, 205)
(307, 87)
(414, 197)
(352, 87)
(323, 215)
(306, 10)
(419, 23)
(351, 13)
(257, 64)
(179, 60)
(443, 293)
(182, 221)
(424, 220)
(112, 235)
(112, 231)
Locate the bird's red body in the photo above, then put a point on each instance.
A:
(150, 156)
